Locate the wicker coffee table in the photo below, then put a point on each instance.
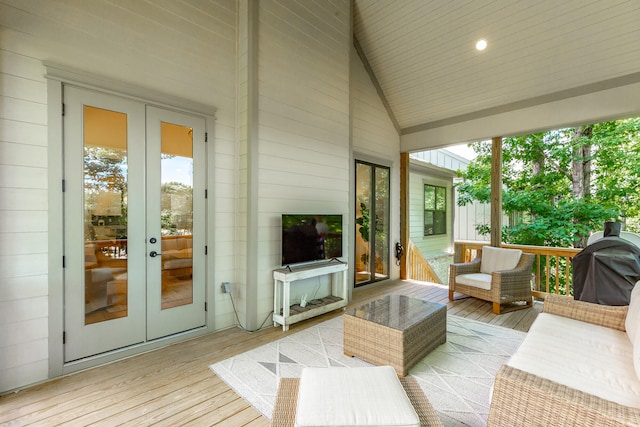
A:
(396, 330)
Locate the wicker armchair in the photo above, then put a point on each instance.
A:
(523, 399)
(506, 286)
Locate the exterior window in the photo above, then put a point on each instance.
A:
(435, 210)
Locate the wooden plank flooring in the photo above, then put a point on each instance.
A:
(174, 386)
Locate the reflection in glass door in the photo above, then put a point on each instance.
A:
(372, 223)
(176, 214)
(105, 214)
(104, 239)
(175, 222)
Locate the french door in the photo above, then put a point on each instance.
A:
(372, 223)
(134, 222)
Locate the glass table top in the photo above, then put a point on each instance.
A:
(396, 311)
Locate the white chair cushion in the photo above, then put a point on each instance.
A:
(477, 280)
(498, 259)
(362, 396)
(591, 358)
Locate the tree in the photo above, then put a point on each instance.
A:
(561, 185)
(176, 205)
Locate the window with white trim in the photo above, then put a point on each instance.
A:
(435, 210)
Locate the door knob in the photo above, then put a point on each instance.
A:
(154, 254)
(153, 240)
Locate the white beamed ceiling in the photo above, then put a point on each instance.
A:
(423, 52)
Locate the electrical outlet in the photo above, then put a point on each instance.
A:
(226, 287)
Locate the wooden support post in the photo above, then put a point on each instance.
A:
(496, 191)
(404, 211)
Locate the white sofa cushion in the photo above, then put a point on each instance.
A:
(632, 325)
(362, 396)
(477, 280)
(632, 322)
(498, 259)
(582, 356)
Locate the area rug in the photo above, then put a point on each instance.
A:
(456, 377)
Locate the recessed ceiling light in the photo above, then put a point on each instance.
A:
(481, 44)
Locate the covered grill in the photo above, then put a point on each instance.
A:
(606, 270)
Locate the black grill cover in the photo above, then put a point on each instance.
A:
(606, 271)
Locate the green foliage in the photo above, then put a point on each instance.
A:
(363, 222)
(176, 204)
(538, 189)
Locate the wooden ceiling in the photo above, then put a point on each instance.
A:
(422, 52)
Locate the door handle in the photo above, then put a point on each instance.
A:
(154, 254)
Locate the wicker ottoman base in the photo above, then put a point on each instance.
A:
(397, 331)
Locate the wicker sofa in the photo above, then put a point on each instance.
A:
(579, 365)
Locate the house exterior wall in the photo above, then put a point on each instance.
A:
(428, 245)
(23, 217)
(302, 154)
(442, 158)
(375, 139)
(177, 49)
(278, 74)
(465, 217)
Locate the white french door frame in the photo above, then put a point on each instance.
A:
(163, 322)
(145, 318)
(90, 339)
(57, 76)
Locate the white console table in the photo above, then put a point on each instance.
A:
(285, 314)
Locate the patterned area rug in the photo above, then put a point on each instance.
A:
(456, 377)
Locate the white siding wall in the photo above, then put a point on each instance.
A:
(376, 139)
(428, 245)
(197, 51)
(23, 220)
(303, 149)
(185, 49)
(238, 245)
(466, 219)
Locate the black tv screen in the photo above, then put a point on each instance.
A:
(311, 237)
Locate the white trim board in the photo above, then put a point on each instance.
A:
(608, 104)
(90, 81)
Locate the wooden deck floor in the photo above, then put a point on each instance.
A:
(174, 386)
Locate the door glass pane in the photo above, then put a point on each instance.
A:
(363, 212)
(105, 214)
(382, 223)
(176, 214)
(372, 223)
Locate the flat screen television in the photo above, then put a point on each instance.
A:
(311, 237)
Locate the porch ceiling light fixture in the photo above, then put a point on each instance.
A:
(481, 44)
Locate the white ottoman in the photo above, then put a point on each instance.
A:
(366, 396)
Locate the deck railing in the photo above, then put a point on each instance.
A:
(419, 268)
(552, 270)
